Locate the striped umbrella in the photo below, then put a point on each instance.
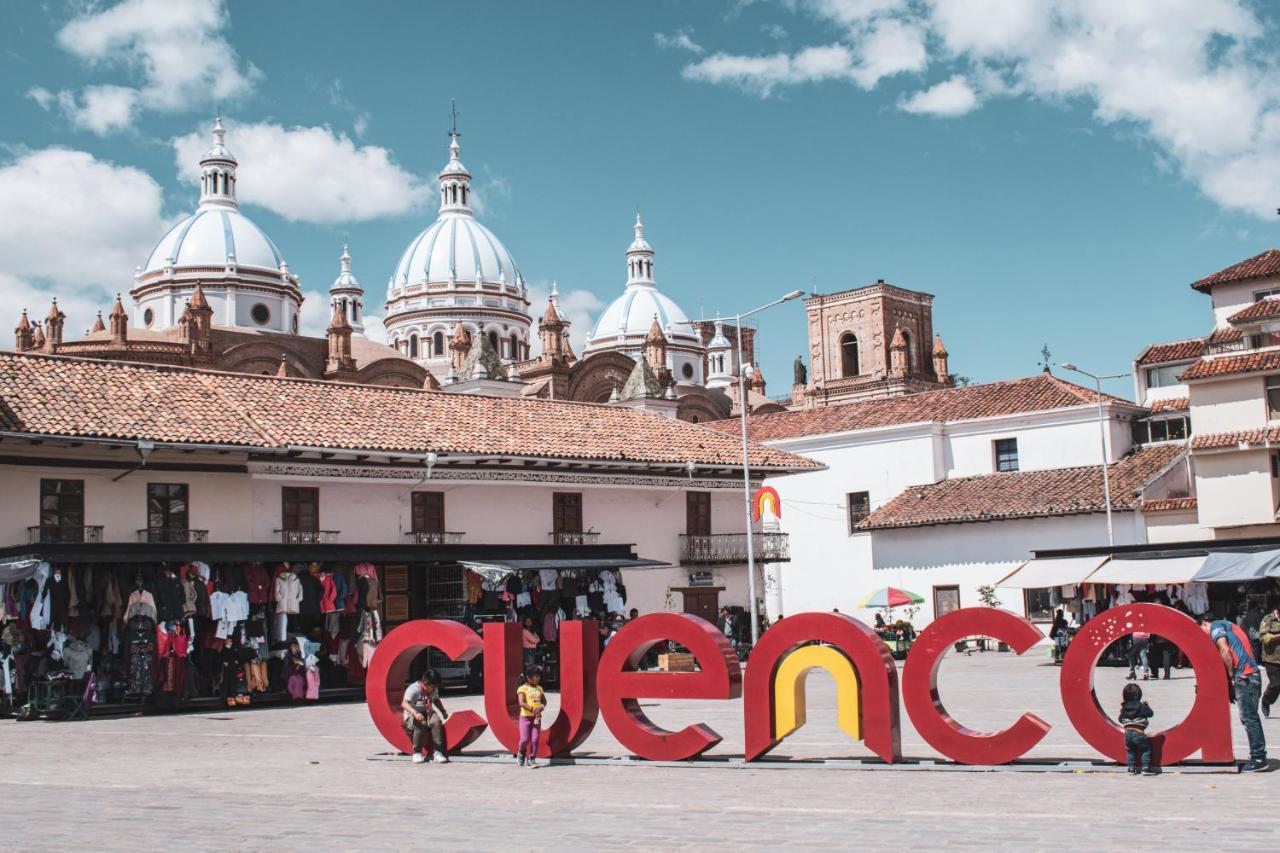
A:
(890, 596)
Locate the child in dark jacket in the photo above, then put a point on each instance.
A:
(1134, 714)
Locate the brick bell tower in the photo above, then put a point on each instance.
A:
(870, 342)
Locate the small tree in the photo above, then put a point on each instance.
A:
(987, 595)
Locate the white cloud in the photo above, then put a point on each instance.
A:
(174, 49)
(579, 307)
(951, 97)
(310, 174)
(1197, 78)
(679, 40)
(74, 227)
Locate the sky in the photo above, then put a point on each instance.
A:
(1055, 172)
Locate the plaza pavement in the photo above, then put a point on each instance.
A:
(296, 778)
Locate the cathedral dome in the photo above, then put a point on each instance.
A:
(215, 237)
(626, 322)
(456, 248)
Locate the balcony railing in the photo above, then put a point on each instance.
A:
(308, 537)
(436, 538)
(172, 534)
(591, 537)
(718, 548)
(80, 533)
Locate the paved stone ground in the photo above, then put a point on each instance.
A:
(294, 778)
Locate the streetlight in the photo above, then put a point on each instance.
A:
(746, 465)
(1102, 431)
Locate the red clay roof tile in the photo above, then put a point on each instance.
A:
(1267, 263)
(1230, 365)
(1260, 437)
(1036, 393)
(1261, 310)
(1024, 494)
(1169, 505)
(53, 395)
(1174, 351)
(1172, 404)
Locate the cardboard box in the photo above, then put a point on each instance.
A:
(675, 663)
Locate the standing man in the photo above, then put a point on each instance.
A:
(421, 722)
(1245, 680)
(1269, 635)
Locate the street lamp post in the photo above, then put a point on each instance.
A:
(1102, 433)
(746, 463)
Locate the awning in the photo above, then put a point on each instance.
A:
(16, 569)
(1156, 570)
(1040, 573)
(493, 569)
(1239, 566)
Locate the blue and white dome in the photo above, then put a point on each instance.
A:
(626, 322)
(240, 270)
(456, 248)
(216, 237)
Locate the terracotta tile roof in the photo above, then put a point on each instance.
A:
(1267, 263)
(1169, 505)
(1225, 336)
(1175, 351)
(53, 395)
(1228, 365)
(1259, 437)
(1260, 310)
(1024, 494)
(1036, 393)
(1173, 404)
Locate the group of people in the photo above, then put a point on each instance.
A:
(425, 715)
(1246, 649)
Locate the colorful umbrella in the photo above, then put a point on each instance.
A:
(890, 596)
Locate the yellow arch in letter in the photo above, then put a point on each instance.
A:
(788, 690)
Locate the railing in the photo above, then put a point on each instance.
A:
(591, 537)
(437, 538)
(172, 534)
(308, 537)
(732, 548)
(80, 533)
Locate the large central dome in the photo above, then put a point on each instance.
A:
(457, 274)
(456, 248)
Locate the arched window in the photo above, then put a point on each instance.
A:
(911, 352)
(437, 343)
(413, 346)
(849, 354)
(515, 347)
(493, 340)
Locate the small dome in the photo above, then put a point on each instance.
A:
(215, 237)
(456, 248)
(632, 314)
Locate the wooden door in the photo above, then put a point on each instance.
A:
(703, 603)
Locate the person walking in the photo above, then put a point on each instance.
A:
(1246, 682)
(532, 700)
(1269, 637)
(529, 639)
(1057, 633)
(1134, 714)
(424, 717)
(1251, 622)
(1138, 655)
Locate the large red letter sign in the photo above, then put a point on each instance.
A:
(871, 658)
(619, 685)
(920, 688)
(1206, 728)
(579, 657)
(389, 671)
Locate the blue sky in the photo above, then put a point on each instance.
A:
(1054, 172)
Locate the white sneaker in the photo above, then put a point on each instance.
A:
(419, 758)
(533, 764)
(440, 758)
